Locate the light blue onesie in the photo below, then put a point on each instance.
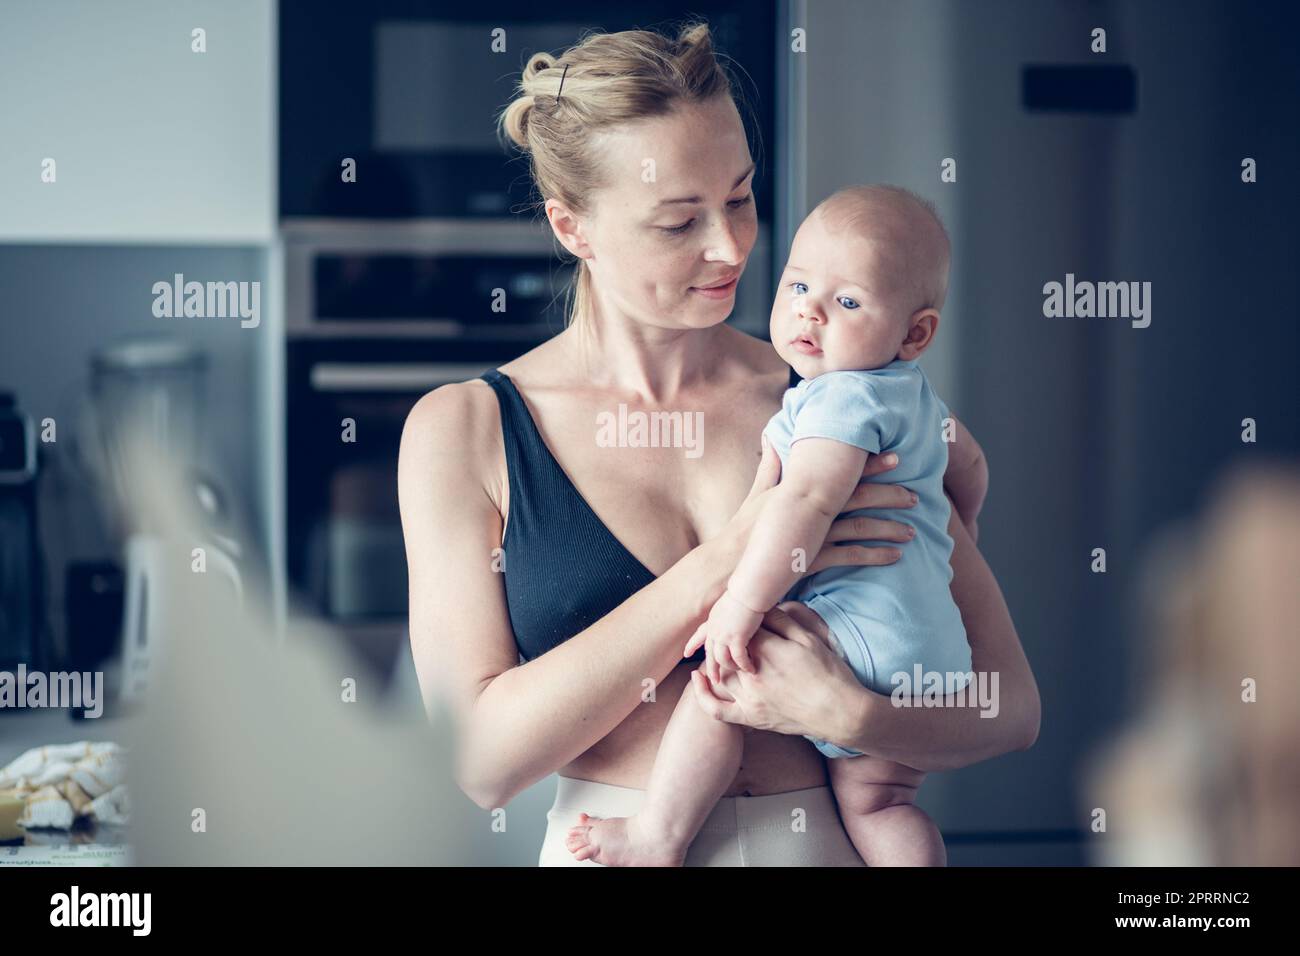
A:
(886, 619)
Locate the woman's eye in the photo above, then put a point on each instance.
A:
(847, 302)
(799, 288)
(734, 204)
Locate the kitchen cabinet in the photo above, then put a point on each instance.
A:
(150, 140)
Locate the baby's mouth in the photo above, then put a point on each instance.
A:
(806, 344)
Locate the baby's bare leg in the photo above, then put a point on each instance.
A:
(698, 758)
(875, 800)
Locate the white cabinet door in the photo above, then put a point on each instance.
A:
(150, 140)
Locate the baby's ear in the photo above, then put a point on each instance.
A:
(921, 329)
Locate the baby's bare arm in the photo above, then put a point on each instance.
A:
(815, 486)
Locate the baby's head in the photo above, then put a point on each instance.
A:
(866, 278)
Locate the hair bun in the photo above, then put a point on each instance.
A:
(695, 35)
(536, 64)
(514, 121)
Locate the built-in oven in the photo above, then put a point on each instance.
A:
(408, 91)
(377, 314)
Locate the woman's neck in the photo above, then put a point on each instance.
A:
(654, 364)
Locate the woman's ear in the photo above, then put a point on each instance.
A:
(921, 328)
(567, 228)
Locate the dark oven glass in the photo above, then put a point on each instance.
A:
(410, 89)
(458, 288)
(345, 547)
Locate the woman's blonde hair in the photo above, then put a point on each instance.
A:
(608, 79)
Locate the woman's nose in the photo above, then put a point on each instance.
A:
(723, 244)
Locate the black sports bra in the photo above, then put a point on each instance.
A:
(564, 569)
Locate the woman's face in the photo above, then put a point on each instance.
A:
(676, 216)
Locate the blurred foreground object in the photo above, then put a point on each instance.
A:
(1208, 774)
(254, 751)
(149, 390)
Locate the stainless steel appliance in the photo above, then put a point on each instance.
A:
(409, 89)
(377, 315)
(148, 404)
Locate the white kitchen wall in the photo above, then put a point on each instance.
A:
(138, 159)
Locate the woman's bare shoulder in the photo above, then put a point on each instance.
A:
(451, 409)
(463, 416)
(466, 416)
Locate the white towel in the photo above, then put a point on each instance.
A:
(63, 782)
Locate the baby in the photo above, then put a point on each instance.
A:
(859, 303)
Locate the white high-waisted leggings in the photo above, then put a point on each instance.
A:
(796, 828)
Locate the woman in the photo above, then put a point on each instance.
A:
(554, 582)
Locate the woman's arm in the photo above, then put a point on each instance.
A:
(519, 722)
(966, 478)
(802, 687)
(948, 737)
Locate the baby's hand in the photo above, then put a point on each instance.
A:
(728, 631)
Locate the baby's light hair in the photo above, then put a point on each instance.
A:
(910, 229)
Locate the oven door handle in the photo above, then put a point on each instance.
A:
(391, 376)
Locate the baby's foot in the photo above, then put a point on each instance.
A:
(621, 841)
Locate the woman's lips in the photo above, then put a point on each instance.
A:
(718, 291)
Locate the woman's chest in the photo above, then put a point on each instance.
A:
(661, 480)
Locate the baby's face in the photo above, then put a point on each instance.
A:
(834, 309)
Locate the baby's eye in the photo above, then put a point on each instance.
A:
(799, 288)
(847, 302)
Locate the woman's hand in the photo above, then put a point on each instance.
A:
(730, 544)
(801, 687)
(799, 683)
